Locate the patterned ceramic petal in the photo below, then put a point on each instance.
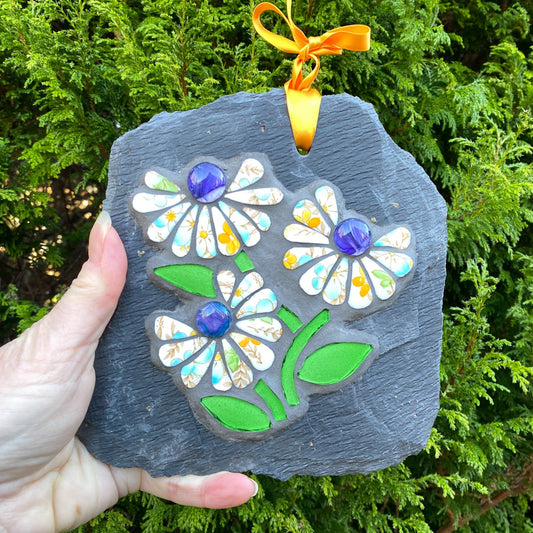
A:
(161, 227)
(182, 240)
(266, 328)
(397, 238)
(303, 234)
(260, 355)
(307, 213)
(167, 328)
(313, 281)
(156, 181)
(241, 374)
(251, 282)
(228, 244)
(250, 172)
(226, 282)
(264, 301)
(399, 264)
(176, 352)
(335, 291)
(326, 199)
(261, 219)
(360, 293)
(298, 256)
(205, 239)
(220, 378)
(248, 232)
(146, 202)
(267, 196)
(382, 282)
(192, 373)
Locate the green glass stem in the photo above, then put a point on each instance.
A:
(293, 353)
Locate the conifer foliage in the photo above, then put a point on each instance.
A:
(451, 80)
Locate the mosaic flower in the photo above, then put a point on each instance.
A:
(225, 334)
(346, 264)
(198, 214)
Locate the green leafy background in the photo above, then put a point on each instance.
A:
(451, 82)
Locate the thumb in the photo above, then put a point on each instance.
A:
(80, 317)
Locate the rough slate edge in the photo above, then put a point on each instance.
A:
(388, 414)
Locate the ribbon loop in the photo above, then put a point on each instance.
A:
(301, 107)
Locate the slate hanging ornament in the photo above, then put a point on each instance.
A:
(282, 312)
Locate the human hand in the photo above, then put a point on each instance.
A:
(48, 480)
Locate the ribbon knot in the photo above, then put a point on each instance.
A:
(303, 103)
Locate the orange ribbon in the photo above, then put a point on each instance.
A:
(303, 102)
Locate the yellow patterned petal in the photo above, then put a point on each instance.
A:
(360, 293)
(228, 244)
(161, 227)
(260, 355)
(300, 255)
(307, 213)
(247, 231)
(251, 282)
(205, 238)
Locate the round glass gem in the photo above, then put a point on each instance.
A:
(352, 236)
(207, 182)
(213, 319)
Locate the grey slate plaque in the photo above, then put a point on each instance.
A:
(143, 412)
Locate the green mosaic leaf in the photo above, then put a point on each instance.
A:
(196, 279)
(236, 414)
(334, 362)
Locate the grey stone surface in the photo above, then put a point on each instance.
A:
(139, 418)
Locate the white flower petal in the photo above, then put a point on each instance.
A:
(193, 372)
(250, 172)
(313, 281)
(175, 352)
(267, 196)
(226, 282)
(162, 226)
(303, 234)
(251, 282)
(260, 355)
(327, 201)
(308, 214)
(167, 328)
(182, 239)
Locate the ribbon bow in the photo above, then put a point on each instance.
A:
(303, 103)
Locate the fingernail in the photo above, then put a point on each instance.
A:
(256, 489)
(97, 238)
(104, 220)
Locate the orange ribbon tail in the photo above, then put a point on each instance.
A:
(303, 102)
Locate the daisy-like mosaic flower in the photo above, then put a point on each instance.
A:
(199, 214)
(225, 335)
(347, 265)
